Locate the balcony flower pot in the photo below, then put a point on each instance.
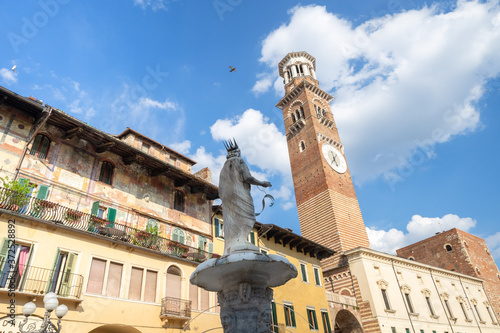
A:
(72, 216)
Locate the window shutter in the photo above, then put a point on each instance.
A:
(96, 276)
(44, 149)
(217, 227)
(135, 287)
(205, 299)
(252, 238)
(275, 327)
(315, 320)
(3, 252)
(114, 279)
(150, 287)
(35, 145)
(43, 191)
(111, 217)
(51, 285)
(292, 313)
(304, 273)
(67, 277)
(95, 208)
(193, 296)
(210, 247)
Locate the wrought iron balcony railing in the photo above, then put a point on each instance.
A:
(36, 280)
(60, 215)
(175, 307)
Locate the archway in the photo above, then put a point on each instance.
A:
(115, 328)
(346, 322)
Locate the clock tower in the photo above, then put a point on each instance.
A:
(328, 208)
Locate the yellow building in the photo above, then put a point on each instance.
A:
(115, 225)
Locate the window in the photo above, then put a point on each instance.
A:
(302, 146)
(274, 318)
(40, 146)
(61, 276)
(178, 235)
(178, 200)
(106, 173)
(478, 314)
(393, 329)
(429, 305)
(105, 278)
(317, 278)
(13, 274)
(478, 272)
(289, 315)
(193, 296)
(251, 238)
(409, 303)
(142, 285)
(219, 228)
(173, 283)
(311, 318)
(264, 251)
(448, 247)
(202, 243)
(303, 270)
(407, 330)
(103, 212)
(462, 306)
(145, 147)
(326, 321)
(492, 317)
(448, 308)
(421, 331)
(386, 299)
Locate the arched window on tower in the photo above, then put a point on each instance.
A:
(448, 247)
(106, 174)
(301, 112)
(300, 71)
(293, 118)
(302, 146)
(40, 146)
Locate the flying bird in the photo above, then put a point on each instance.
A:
(14, 68)
(232, 69)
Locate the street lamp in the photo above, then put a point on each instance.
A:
(50, 304)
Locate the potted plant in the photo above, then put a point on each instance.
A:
(73, 216)
(178, 249)
(15, 194)
(40, 206)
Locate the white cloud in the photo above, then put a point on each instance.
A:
(154, 4)
(264, 82)
(418, 228)
(181, 147)
(205, 159)
(8, 76)
(403, 83)
(145, 102)
(493, 243)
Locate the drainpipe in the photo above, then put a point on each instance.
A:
(470, 305)
(47, 111)
(435, 286)
(402, 296)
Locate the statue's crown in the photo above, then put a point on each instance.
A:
(231, 146)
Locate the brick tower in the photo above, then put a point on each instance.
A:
(328, 209)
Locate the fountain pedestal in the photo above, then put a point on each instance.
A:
(243, 281)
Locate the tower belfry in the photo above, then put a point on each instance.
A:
(328, 208)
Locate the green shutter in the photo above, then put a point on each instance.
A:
(252, 238)
(111, 217)
(35, 145)
(95, 208)
(67, 278)
(217, 227)
(210, 247)
(315, 320)
(43, 191)
(44, 149)
(292, 312)
(304, 273)
(316, 276)
(275, 327)
(23, 181)
(287, 322)
(4, 249)
(51, 281)
(326, 322)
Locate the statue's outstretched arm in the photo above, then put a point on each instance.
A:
(247, 176)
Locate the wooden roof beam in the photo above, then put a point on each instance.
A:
(72, 132)
(104, 147)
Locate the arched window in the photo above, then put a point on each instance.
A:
(179, 200)
(178, 235)
(448, 247)
(302, 146)
(301, 112)
(202, 243)
(40, 146)
(478, 272)
(173, 288)
(106, 173)
(152, 226)
(293, 117)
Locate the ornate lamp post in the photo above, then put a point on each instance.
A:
(50, 304)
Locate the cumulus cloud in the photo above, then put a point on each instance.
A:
(182, 147)
(493, 243)
(7, 76)
(403, 83)
(418, 228)
(153, 4)
(264, 82)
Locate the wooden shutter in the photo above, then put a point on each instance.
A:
(51, 285)
(316, 276)
(95, 208)
(205, 299)
(173, 288)
(43, 191)
(292, 314)
(114, 279)
(4, 249)
(150, 287)
(96, 276)
(193, 296)
(36, 144)
(135, 287)
(217, 227)
(68, 275)
(304, 272)
(42, 153)
(111, 217)
(275, 327)
(252, 238)
(210, 247)
(315, 320)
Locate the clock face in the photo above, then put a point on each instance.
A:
(334, 158)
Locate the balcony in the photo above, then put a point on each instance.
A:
(39, 281)
(73, 219)
(175, 308)
(341, 299)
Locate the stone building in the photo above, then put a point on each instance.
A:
(329, 214)
(459, 251)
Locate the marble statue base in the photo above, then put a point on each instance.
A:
(243, 282)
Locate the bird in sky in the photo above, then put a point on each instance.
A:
(14, 68)
(232, 69)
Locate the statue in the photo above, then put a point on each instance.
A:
(237, 204)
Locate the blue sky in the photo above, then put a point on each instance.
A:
(416, 87)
